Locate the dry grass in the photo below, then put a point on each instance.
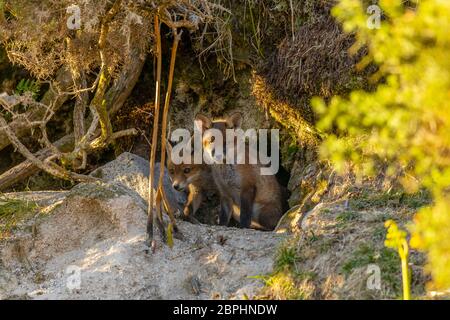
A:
(290, 116)
(330, 256)
(315, 62)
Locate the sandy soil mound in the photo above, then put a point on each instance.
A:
(89, 244)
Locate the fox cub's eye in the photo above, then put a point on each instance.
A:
(187, 170)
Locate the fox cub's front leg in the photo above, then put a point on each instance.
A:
(246, 212)
(193, 202)
(225, 212)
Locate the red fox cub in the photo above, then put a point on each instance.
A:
(252, 199)
(190, 178)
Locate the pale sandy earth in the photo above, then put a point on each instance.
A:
(89, 244)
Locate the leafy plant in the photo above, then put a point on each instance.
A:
(287, 256)
(27, 85)
(288, 280)
(403, 123)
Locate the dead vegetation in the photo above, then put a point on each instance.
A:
(334, 254)
(75, 61)
(37, 37)
(315, 62)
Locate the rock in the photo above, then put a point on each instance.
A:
(290, 221)
(302, 182)
(41, 198)
(133, 171)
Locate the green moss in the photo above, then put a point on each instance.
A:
(282, 285)
(288, 280)
(98, 173)
(371, 199)
(385, 258)
(346, 216)
(13, 212)
(98, 190)
(379, 234)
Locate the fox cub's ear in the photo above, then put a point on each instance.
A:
(202, 122)
(234, 121)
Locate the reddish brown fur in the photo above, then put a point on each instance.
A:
(242, 188)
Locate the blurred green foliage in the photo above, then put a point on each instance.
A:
(405, 121)
(396, 239)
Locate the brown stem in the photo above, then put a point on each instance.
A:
(155, 132)
(99, 102)
(79, 110)
(177, 37)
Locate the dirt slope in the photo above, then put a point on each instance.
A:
(97, 231)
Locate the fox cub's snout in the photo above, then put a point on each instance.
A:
(182, 175)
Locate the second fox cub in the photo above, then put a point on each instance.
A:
(252, 199)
